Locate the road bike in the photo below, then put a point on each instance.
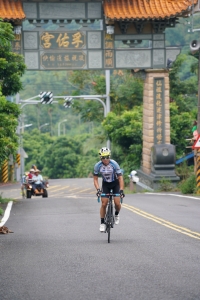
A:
(109, 217)
(23, 191)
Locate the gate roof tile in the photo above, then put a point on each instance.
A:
(146, 9)
(11, 10)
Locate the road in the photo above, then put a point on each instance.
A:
(57, 252)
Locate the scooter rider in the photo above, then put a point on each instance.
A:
(30, 175)
(37, 180)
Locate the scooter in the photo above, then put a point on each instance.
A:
(39, 191)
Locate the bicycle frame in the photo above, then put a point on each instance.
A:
(109, 218)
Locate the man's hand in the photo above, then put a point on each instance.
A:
(121, 192)
(98, 193)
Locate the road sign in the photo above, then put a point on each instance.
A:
(196, 144)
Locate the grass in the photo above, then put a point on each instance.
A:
(3, 201)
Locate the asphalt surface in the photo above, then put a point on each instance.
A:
(57, 252)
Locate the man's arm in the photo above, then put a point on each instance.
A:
(121, 182)
(96, 182)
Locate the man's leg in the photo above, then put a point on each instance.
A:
(33, 187)
(117, 209)
(22, 189)
(104, 202)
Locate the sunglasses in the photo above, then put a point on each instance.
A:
(105, 157)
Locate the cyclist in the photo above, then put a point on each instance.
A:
(23, 183)
(111, 179)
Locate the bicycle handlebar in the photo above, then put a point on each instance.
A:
(107, 195)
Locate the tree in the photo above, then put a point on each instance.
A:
(9, 113)
(125, 133)
(126, 91)
(11, 69)
(6, 33)
(180, 128)
(12, 65)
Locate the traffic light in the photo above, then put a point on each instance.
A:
(46, 97)
(68, 102)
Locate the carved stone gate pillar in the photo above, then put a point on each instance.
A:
(149, 115)
(158, 155)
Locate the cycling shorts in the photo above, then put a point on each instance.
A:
(107, 186)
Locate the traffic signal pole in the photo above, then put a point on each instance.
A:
(38, 100)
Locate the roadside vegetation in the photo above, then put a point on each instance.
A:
(73, 150)
(2, 202)
(12, 68)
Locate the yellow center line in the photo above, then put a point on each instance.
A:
(163, 222)
(85, 190)
(59, 189)
(74, 189)
(53, 187)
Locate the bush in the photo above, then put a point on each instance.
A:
(189, 185)
(165, 185)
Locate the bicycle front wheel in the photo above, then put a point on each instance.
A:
(109, 220)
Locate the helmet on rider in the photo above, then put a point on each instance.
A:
(104, 152)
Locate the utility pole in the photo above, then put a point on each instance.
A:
(197, 152)
(194, 47)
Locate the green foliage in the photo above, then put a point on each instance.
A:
(9, 113)
(126, 90)
(36, 81)
(35, 144)
(126, 129)
(177, 85)
(184, 171)
(6, 33)
(165, 185)
(60, 157)
(12, 64)
(181, 126)
(64, 159)
(3, 201)
(189, 185)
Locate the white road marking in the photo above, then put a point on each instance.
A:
(191, 197)
(6, 214)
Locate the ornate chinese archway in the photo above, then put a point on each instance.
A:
(128, 21)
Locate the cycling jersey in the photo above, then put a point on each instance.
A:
(110, 172)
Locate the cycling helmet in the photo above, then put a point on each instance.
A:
(104, 151)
